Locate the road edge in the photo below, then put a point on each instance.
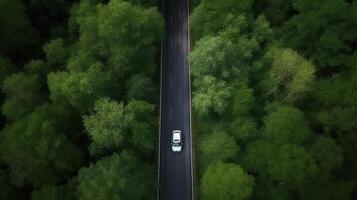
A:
(190, 91)
(159, 139)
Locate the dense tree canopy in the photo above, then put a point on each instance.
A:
(78, 95)
(116, 177)
(273, 94)
(278, 79)
(217, 147)
(16, 33)
(36, 148)
(112, 123)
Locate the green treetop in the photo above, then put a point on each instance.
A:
(116, 177)
(36, 148)
(216, 147)
(112, 123)
(226, 182)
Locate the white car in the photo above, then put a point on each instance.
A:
(176, 141)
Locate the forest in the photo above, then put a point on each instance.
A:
(78, 116)
(274, 99)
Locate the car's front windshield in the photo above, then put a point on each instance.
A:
(175, 144)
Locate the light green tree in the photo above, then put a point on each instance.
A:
(215, 56)
(107, 126)
(112, 122)
(211, 95)
(224, 181)
(82, 89)
(208, 17)
(291, 75)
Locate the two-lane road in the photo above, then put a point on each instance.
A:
(175, 169)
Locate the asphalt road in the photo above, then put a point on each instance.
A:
(175, 169)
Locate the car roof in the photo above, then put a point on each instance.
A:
(177, 135)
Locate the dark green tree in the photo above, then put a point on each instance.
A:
(141, 87)
(23, 94)
(17, 35)
(7, 191)
(286, 125)
(6, 68)
(324, 31)
(56, 192)
(56, 52)
(216, 147)
(36, 147)
(116, 177)
(142, 123)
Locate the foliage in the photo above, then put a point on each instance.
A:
(290, 75)
(212, 95)
(79, 82)
(6, 68)
(274, 98)
(37, 149)
(56, 52)
(116, 177)
(216, 147)
(279, 79)
(324, 31)
(286, 125)
(55, 192)
(112, 122)
(23, 92)
(106, 127)
(17, 35)
(82, 89)
(226, 181)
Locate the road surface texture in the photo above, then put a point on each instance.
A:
(175, 169)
